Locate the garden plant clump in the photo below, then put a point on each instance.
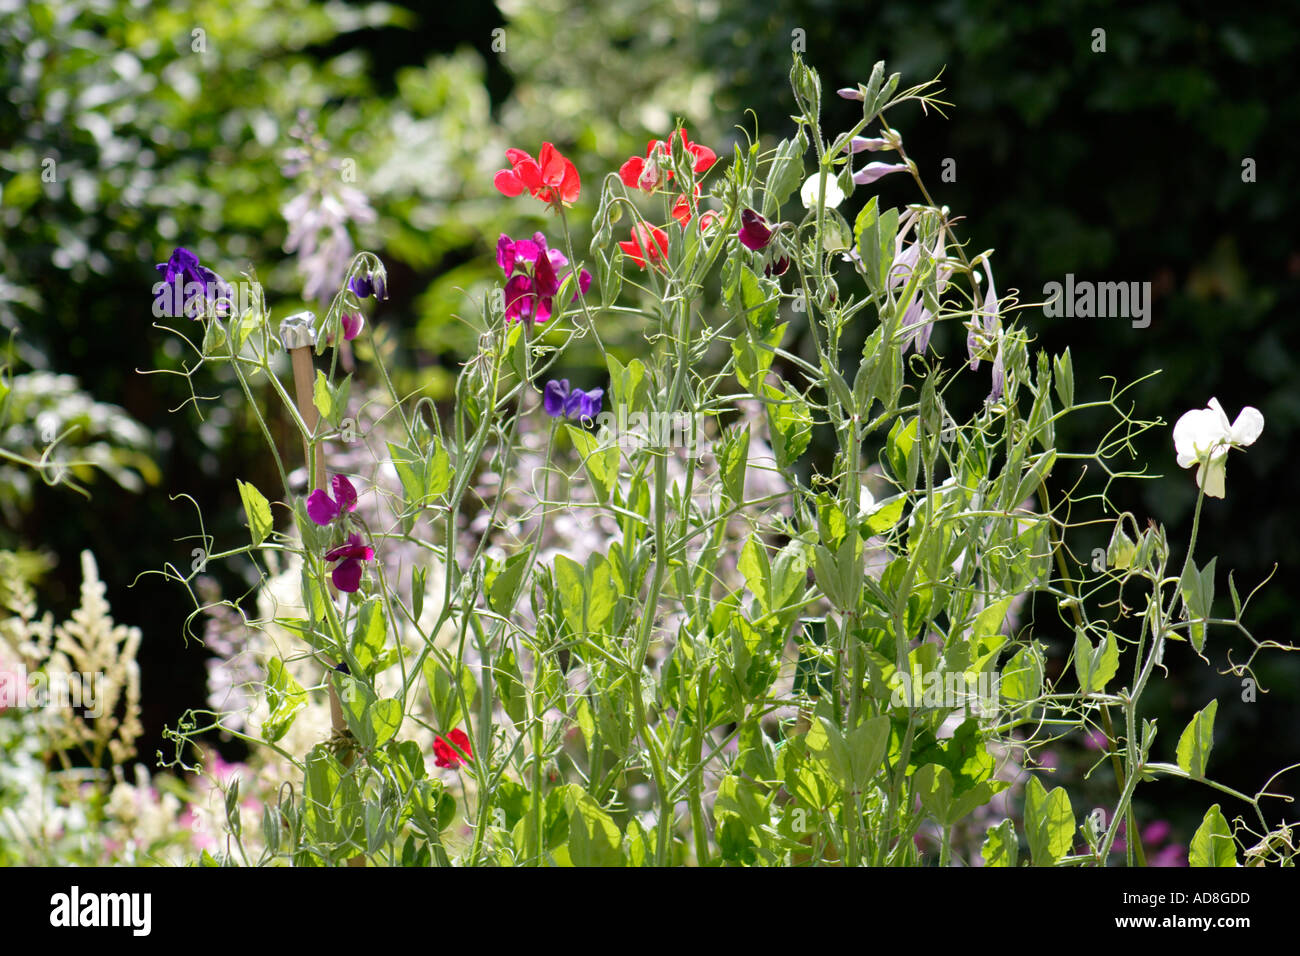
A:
(628, 620)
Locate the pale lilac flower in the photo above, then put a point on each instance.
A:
(859, 144)
(872, 171)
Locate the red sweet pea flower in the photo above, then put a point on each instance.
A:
(656, 168)
(684, 209)
(452, 750)
(550, 177)
(647, 242)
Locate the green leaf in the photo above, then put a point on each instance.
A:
(1212, 844)
(786, 174)
(331, 402)
(601, 592)
(1197, 740)
(258, 511)
(369, 635)
(902, 451)
(385, 717)
(1022, 677)
(502, 581)
(510, 685)
(601, 463)
(446, 688)
(790, 422)
(628, 383)
(437, 469)
(933, 785)
(285, 697)
(886, 514)
(733, 459)
(594, 838)
(853, 758)
(1000, 845)
(759, 300)
(1095, 666)
(1049, 823)
(757, 571)
(569, 575)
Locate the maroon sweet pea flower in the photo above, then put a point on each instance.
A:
(347, 573)
(323, 509)
(754, 232)
(453, 749)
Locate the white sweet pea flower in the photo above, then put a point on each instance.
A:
(808, 193)
(1203, 436)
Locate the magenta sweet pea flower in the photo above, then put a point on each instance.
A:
(352, 322)
(347, 573)
(532, 277)
(323, 509)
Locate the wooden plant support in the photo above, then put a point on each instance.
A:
(298, 334)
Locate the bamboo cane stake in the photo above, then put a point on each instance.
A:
(298, 334)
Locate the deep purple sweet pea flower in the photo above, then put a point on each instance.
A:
(754, 231)
(580, 404)
(323, 509)
(363, 287)
(185, 266)
(347, 573)
(560, 400)
(554, 396)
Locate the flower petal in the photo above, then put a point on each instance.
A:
(347, 575)
(344, 494)
(508, 183)
(321, 508)
(1247, 427)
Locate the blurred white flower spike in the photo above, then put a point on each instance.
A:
(1203, 437)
